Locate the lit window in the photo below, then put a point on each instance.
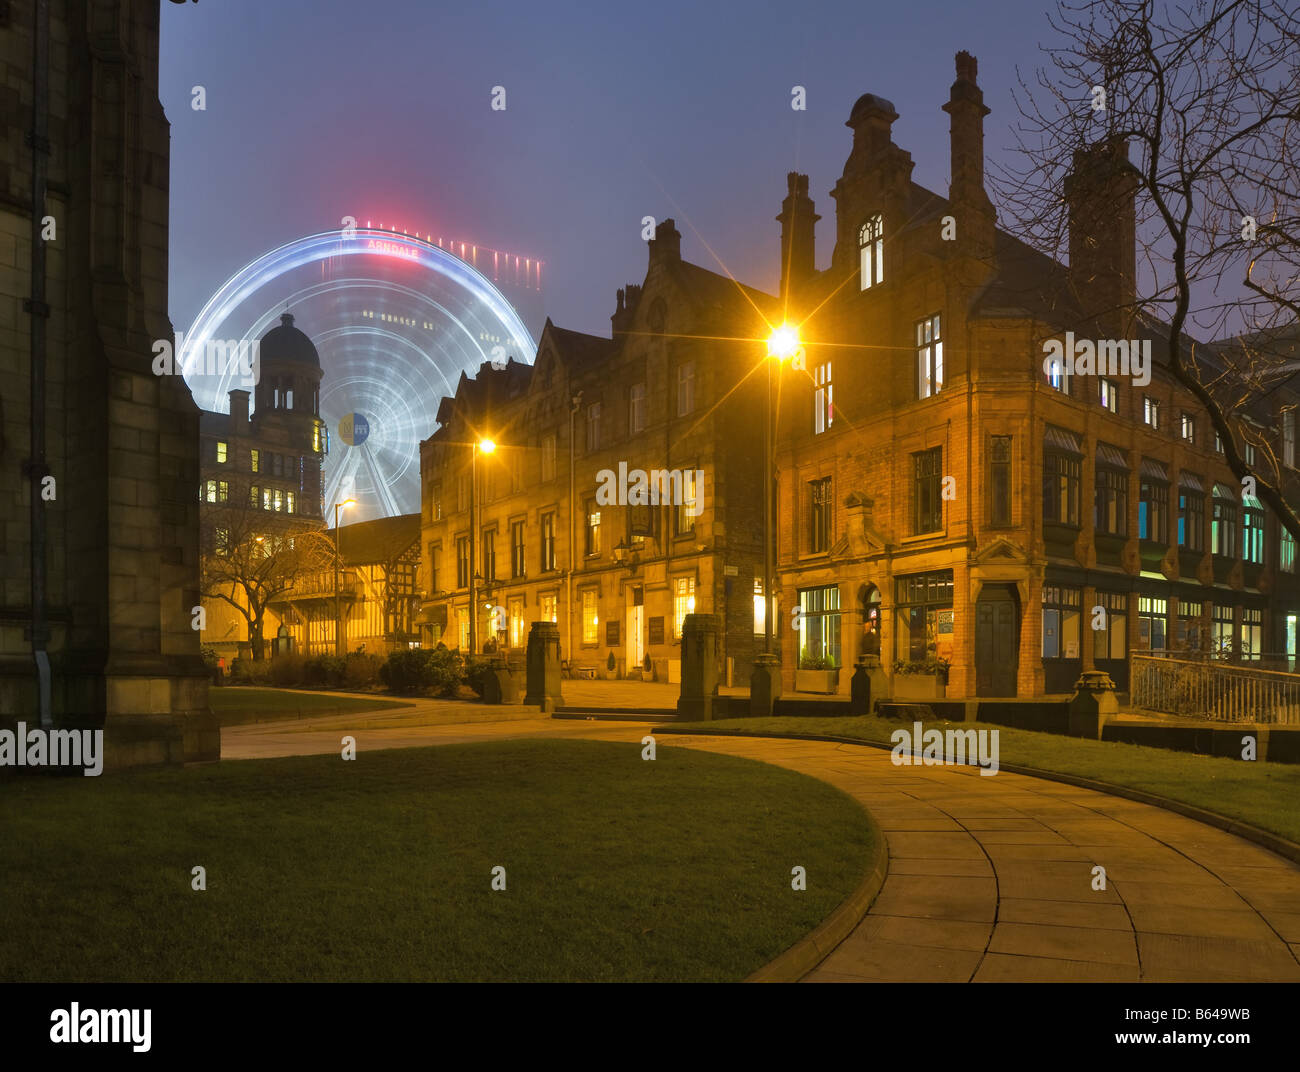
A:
(1109, 395)
(871, 251)
(1151, 411)
(823, 399)
(212, 491)
(593, 528)
(254, 496)
(1188, 428)
(549, 605)
(929, 358)
(590, 619)
(221, 453)
(223, 491)
(256, 456)
(289, 502)
(683, 602)
(516, 607)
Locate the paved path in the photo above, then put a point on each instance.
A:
(990, 878)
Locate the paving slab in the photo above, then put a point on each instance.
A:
(1005, 859)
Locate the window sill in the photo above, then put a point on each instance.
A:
(921, 537)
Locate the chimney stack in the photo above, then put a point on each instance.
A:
(1100, 193)
(798, 221)
(628, 297)
(238, 413)
(972, 209)
(666, 246)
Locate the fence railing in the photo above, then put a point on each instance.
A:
(1213, 689)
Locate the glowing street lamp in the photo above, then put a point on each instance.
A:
(483, 446)
(783, 343)
(338, 602)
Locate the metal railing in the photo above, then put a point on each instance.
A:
(1189, 684)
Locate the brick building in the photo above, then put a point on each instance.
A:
(667, 393)
(947, 496)
(944, 497)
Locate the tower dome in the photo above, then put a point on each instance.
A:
(287, 343)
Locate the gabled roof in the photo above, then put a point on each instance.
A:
(378, 541)
(577, 349)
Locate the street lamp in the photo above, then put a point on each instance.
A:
(782, 343)
(338, 602)
(483, 446)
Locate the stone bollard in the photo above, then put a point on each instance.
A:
(699, 666)
(1092, 705)
(544, 667)
(863, 686)
(501, 685)
(764, 685)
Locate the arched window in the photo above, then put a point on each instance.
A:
(871, 250)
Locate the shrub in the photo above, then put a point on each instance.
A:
(209, 657)
(247, 672)
(325, 670)
(610, 663)
(361, 671)
(817, 662)
(419, 669)
(476, 672)
(287, 670)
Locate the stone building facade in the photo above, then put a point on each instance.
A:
(560, 531)
(99, 580)
(949, 498)
(988, 523)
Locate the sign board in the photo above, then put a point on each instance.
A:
(611, 632)
(944, 621)
(656, 628)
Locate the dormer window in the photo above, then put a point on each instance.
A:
(871, 250)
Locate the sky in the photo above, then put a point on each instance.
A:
(318, 109)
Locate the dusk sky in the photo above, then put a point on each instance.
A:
(321, 108)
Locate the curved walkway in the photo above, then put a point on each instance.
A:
(990, 878)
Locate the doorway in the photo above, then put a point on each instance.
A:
(636, 630)
(997, 640)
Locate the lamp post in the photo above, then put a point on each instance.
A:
(765, 683)
(483, 446)
(338, 602)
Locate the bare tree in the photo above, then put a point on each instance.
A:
(1207, 96)
(249, 563)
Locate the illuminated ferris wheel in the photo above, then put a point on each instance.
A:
(396, 319)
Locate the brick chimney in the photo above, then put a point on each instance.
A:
(1100, 194)
(666, 246)
(798, 235)
(628, 297)
(239, 413)
(972, 209)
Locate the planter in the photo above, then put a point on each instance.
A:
(822, 681)
(919, 687)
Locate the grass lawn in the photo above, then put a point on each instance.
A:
(237, 705)
(380, 868)
(1266, 795)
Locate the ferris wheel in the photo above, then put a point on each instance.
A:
(395, 320)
